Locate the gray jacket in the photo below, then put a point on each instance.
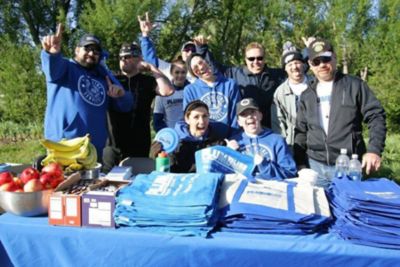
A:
(283, 112)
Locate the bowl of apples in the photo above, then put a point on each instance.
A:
(29, 193)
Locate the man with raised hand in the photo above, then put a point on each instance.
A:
(79, 91)
(330, 116)
(197, 45)
(131, 135)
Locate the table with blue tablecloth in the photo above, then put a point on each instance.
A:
(32, 242)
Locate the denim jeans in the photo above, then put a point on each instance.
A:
(325, 173)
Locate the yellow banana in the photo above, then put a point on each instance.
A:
(91, 159)
(75, 167)
(81, 152)
(62, 161)
(65, 145)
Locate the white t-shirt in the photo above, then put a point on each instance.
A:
(299, 88)
(324, 92)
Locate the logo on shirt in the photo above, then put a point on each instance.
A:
(92, 91)
(262, 150)
(217, 103)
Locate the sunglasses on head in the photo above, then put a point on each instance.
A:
(188, 48)
(96, 51)
(254, 58)
(318, 60)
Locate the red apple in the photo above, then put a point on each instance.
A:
(56, 182)
(5, 177)
(10, 186)
(18, 182)
(29, 174)
(53, 168)
(33, 185)
(46, 179)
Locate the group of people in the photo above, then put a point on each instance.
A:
(284, 118)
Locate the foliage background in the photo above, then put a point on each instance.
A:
(365, 34)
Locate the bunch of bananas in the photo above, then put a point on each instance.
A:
(73, 154)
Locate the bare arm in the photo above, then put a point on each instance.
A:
(164, 86)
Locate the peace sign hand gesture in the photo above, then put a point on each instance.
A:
(52, 43)
(145, 25)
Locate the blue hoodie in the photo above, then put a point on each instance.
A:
(221, 99)
(277, 162)
(77, 100)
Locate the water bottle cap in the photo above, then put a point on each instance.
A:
(343, 151)
(162, 154)
(354, 156)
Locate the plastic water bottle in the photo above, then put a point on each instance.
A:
(162, 162)
(342, 164)
(355, 169)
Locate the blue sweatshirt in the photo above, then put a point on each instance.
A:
(221, 99)
(277, 160)
(77, 100)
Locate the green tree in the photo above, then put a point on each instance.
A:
(21, 83)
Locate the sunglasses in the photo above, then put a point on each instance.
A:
(188, 48)
(254, 58)
(317, 61)
(122, 58)
(96, 51)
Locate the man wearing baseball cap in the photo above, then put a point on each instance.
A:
(131, 135)
(79, 91)
(270, 151)
(330, 117)
(287, 95)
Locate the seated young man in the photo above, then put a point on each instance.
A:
(270, 151)
(195, 132)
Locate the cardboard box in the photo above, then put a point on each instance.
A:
(98, 206)
(64, 206)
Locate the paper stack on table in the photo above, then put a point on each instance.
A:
(181, 204)
(367, 212)
(270, 206)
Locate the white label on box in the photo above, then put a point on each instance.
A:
(71, 206)
(55, 208)
(93, 205)
(100, 216)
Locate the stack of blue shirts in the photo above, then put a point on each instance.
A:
(181, 204)
(270, 206)
(367, 212)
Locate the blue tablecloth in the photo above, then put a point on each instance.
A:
(32, 242)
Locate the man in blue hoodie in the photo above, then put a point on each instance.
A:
(79, 91)
(270, 151)
(219, 93)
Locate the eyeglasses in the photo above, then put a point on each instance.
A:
(122, 58)
(318, 60)
(188, 48)
(254, 58)
(96, 51)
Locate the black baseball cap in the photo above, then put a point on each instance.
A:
(132, 49)
(318, 48)
(247, 103)
(89, 39)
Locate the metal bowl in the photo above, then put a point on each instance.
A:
(26, 203)
(92, 173)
